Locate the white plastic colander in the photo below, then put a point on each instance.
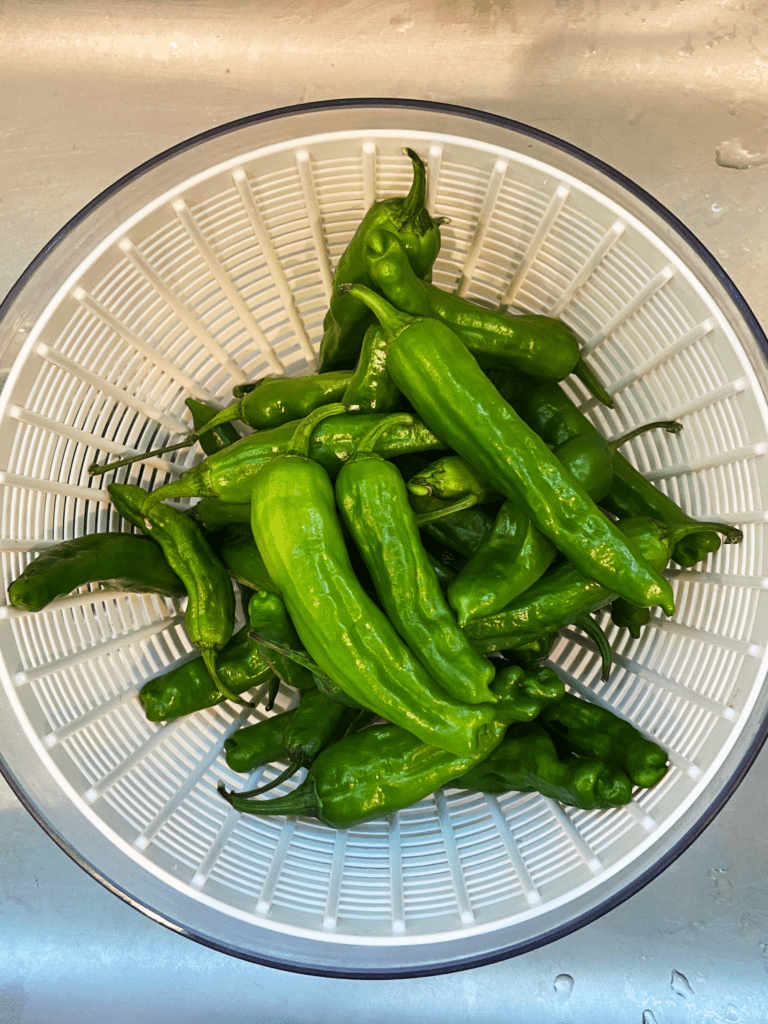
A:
(212, 265)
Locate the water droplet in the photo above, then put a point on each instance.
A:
(649, 1017)
(563, 986)
(680, 985)
(732, 1015)
(733, 153)
(717, 208)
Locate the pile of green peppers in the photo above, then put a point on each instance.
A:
(400, 539)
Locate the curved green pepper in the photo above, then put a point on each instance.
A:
(447, 388)
(526, 761)
(374, 506)
(269, 620)
(116, 561)
(189, 687)
(371, 388)
(347, 319)
(212, 437)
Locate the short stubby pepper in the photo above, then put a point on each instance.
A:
(116, 561)
(212, 437)
(409, 220)
(189, 687)
(385, 768)
(526, 761)
(447, 388)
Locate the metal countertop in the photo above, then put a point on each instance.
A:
(674, 94)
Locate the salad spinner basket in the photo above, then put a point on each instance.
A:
(211, 266)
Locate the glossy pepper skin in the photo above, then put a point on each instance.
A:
(447, 388)
(116, 561)
(526, 761)
(210, 612)
(408, 218)
(256, 745)
(564, 594)
(230, 474)
(551, 413)
(596, 731)
(212, 438)
(235, 548)
(188, 687)
(269, 619)
(385, 768)
(539, 345)
(374, 506)
(297, 530)
(371, 389)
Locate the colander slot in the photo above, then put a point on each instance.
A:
(674, 347)
(250, 325)
(530, 890)
(590, 265)
(54, 487)
(483, 223)
(664, 276)
(269, 886)
(304, 165)
(575, 837)
(274, 266)
(331, 912)
(533, 248)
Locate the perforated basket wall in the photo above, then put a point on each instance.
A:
(211, 266)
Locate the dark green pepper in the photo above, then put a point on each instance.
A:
(447, 388)
(269, 620)
(385, 768)
(539, 345)
(526, 761)
(564, 594)
(596, 731)
(116, 561)
(236, 549)
(408, 218)
(212, 437)
(210, 612)
(374, 506)
(371, 388)
(256, 745)
(188, 687)
(272, 402)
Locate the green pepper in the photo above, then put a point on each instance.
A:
(540, 345)
(550, 412)
(210, 614)
(629, 616)
(526, 761)
(258, 744)
(347, 319)
(596, 731)
(272, 402)
(374, 506)
(116, 561)
(212, 437)
(565, 593)
(297, 530)
(230, 474)
(447, 388)
(235, 548)
(371, 388)
(269, 619)
(212, 515)
(188, 687)
(385, 768)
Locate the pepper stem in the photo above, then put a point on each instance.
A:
(595, 633)
(368, 444)
(674, 532)
(302, 435)
(209, 660)
(412, 209)
(592, 383)
(97, 470)
(288, 652)
(301, 802)
(671, 427)
(391, 319)
(425, 518)
(286, 774)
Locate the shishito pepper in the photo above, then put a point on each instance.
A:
(270, 621)
(564, 594)
(596, 731)
(374, 506)
(371, 389)
(189, 687)
(210, 612)
(385, 768)
(270, 403)
(408, 218)
(527, 761)
(447, 388)
(230, 474)
(540, 345)
(116, 561)
(297, 530)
